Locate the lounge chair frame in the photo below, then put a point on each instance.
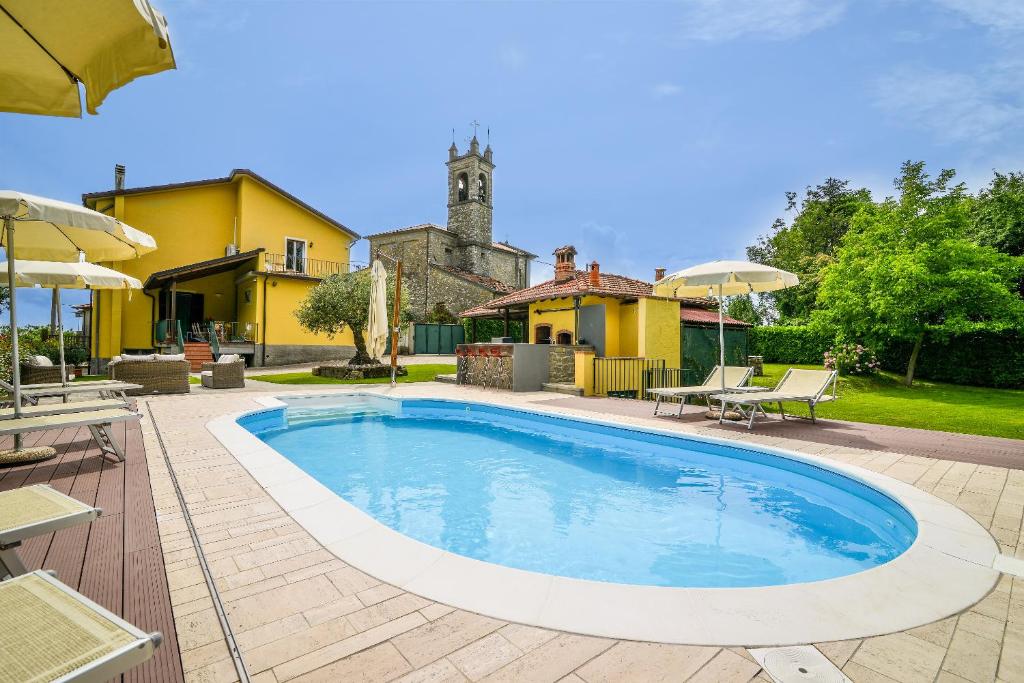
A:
(98, 422)
(704, 389)
(754, 404)
(113, 664)
(11, 539)
(30, 395)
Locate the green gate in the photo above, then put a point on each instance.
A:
(699, 349)
(437, 339)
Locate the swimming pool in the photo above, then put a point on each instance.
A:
(570, 498)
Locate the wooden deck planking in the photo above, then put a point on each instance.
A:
(116, 560)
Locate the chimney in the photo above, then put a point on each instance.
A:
(118, 177)
(659, 274)
(595, 275)
(565, 263)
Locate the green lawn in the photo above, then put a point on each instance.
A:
(417, 373)
(882, 399)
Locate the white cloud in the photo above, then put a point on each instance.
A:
(721, 20)
(956, 106)
(1003, 15)
(666, 89)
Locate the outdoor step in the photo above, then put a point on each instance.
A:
(560, 388)
(197, 353)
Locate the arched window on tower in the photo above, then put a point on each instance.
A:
(463, 184)
(481, 188)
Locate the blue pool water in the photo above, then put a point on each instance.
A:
(588, 501)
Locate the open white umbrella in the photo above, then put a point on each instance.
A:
(721, 279)
(377, 321)
(59, 276)
(49, 229)
(50, 46)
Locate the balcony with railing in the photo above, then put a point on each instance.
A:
(310, 267)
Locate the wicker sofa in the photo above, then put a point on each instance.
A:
(39, 370)
(157, 375)
(227, 373)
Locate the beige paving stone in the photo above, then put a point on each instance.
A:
(297, 644)
(646, 662)
(552, 660)
(264, 677)
(441, 671)
(981, 625)
(946, 677)
(861, 674)
(239, 579)
(186, 608)
(350, 580)
(484, 656)
(332, 610)
(527, 638)
(972, 657)
(204, 655)
(840, 651)
(447, 634)
(222, 671)
(251, 588)
(298, 563)
(902, 656)
(436, 611)
(379, 663)
(726, 666)
(271, 555)
(376, 615)
(341, 649)
(938, 632)
(267, 633)
(317, 569)
(996, 605)
(198, 629)
(1011, 660)
(571, 678)
(372, 596)
(292, 598)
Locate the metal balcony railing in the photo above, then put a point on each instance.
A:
(282, 263)
(213, 332)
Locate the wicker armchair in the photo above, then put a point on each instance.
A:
(224, 375)
(155, 376)
(39, 374)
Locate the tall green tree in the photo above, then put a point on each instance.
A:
(808, 243)
(342, 302)
(997, 214)
(908, 269)
(744, 308)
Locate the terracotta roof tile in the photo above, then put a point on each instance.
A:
(704, 316)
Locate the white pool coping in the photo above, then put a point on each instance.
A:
(948, 568)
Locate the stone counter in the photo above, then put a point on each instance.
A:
(513, 367)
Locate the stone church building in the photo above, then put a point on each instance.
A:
(450, 269)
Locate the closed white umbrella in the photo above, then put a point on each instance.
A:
(722, 279)
(59, 276)
(377, 321)
(49, 229)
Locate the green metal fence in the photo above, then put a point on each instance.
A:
(699, 352)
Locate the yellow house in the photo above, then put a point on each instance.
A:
(235, 256)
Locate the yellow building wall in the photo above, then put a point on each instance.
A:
(560, 315)
(628, 330)
(282, 325)
(267, 219)
(658, 326)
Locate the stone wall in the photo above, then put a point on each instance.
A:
(456, 293)
(485, 371)
(562, 362)
(290, 354)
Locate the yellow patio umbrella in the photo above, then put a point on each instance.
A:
(49, 229)
(50, 46)
(722, 279)
(57, 276)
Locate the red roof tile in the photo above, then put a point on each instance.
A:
(484, 281)
(703, 316)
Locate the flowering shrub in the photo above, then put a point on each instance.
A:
(851, 359)
(5, 353)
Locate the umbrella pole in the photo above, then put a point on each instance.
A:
(721, 339)
(18, 454)
(60, 340)
(394, 320)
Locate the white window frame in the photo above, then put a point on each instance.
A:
(305, 254)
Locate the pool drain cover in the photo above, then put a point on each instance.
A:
(802, 664)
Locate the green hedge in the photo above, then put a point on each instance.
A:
(989, 359)
(486, 329)
(789, 344)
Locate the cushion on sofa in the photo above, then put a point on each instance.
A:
(229, 358)
(170, 356)
(141, 356)
(40, 361)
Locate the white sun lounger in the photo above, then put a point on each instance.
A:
(735, 378)
(64, 408)
(31, 395)
(796, 386)
(98, 422)
(52, 633)
(34, 511)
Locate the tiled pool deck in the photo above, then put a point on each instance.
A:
(297, 612)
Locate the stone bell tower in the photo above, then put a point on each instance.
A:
(469, 200)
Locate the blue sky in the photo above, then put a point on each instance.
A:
(647, 134)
